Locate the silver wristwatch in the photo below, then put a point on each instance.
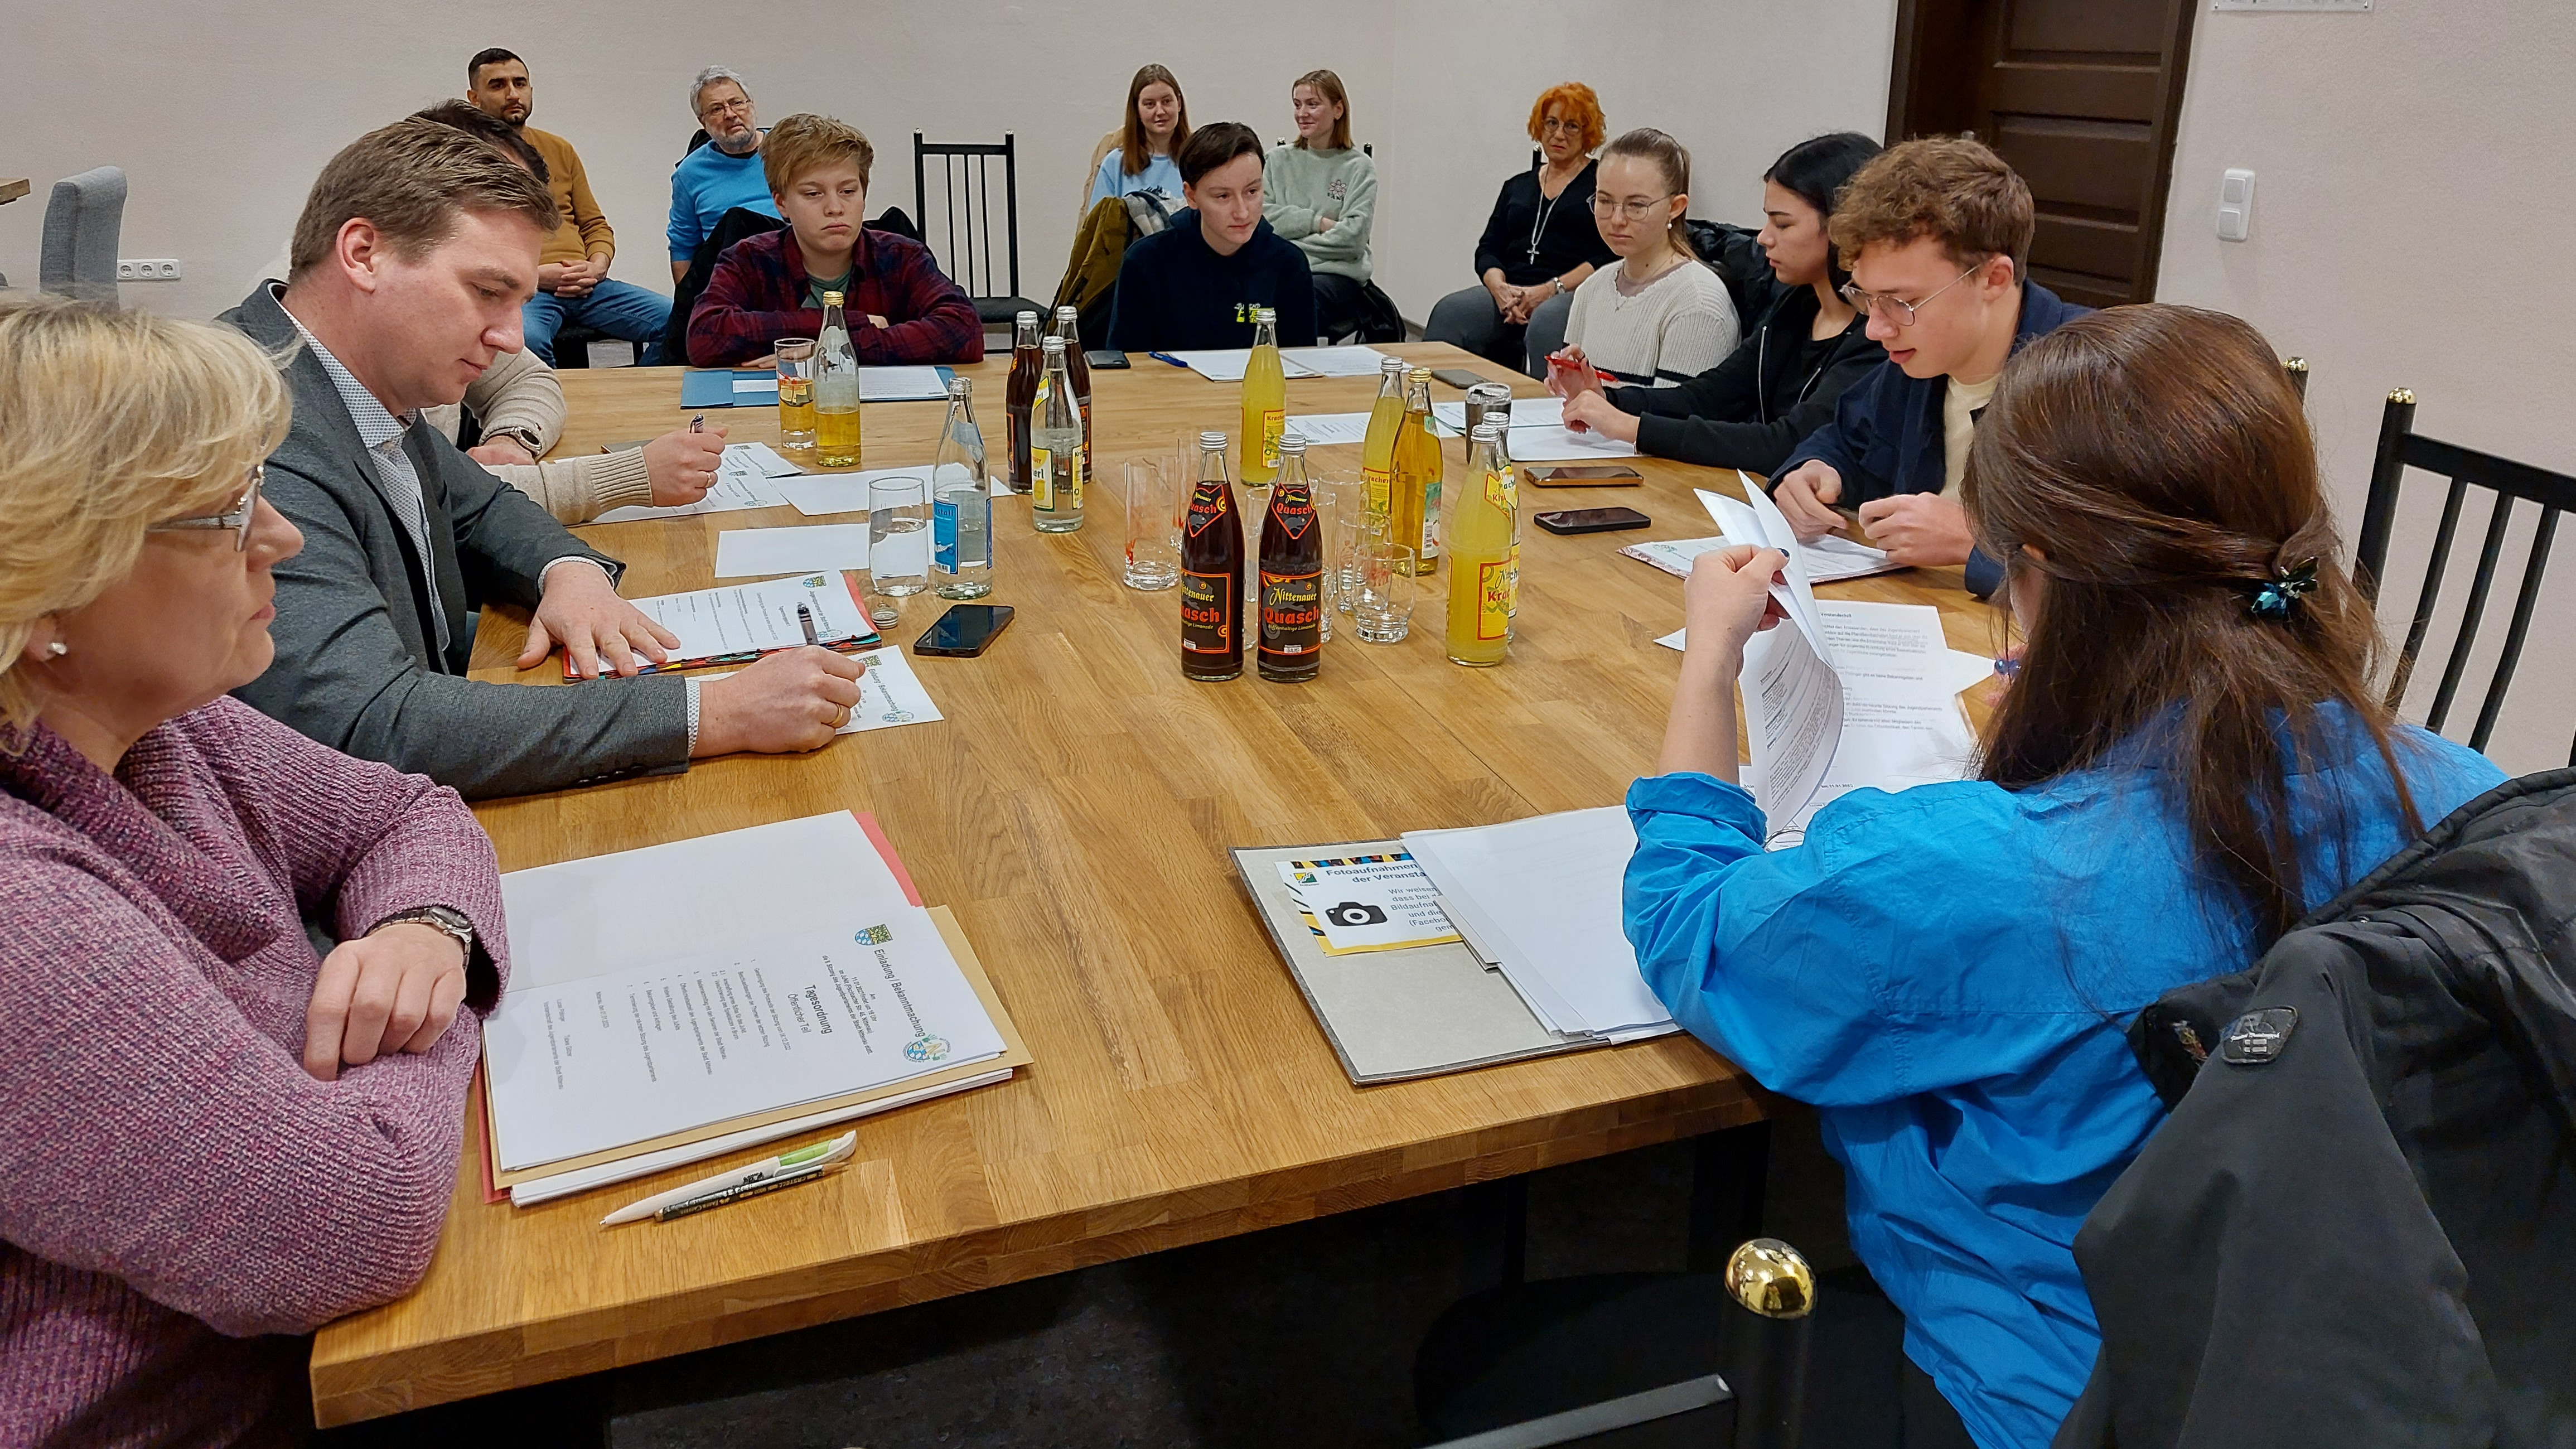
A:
(446, 920)
(525, 437)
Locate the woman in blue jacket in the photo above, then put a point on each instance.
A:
(2190, 759)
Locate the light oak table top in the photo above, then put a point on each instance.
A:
(1075, 809)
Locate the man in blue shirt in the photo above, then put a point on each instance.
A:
(720, 175)
(1937, 235)
(1198, 283)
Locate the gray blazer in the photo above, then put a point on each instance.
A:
(357, 666)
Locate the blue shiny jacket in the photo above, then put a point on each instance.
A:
(1945, 973)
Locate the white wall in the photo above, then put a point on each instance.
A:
(2411, 215)
(221, 114)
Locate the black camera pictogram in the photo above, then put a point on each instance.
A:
(1355, 913)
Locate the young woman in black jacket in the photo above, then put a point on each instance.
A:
(1752, 409)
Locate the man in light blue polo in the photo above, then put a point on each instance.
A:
(720, 175)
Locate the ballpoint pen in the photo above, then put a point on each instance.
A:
(784, 1170)
(805, 617)
(1166, 357)
(698, 424)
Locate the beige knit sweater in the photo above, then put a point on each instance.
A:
(519, 391)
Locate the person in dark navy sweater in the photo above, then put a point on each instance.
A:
(1937, 235)
(1198, 283)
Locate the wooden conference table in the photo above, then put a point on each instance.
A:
(1075, 808)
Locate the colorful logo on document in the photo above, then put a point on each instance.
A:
(926, 1048)
(874, 936)
(813, 581)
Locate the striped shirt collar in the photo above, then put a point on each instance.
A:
(377, 424)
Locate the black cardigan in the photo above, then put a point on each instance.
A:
(1762, 400)
(1567, 238)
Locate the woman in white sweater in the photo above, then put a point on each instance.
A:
(1660, 317)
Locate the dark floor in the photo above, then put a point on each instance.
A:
(1302, 1335)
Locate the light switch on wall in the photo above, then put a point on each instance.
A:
(2235, 205)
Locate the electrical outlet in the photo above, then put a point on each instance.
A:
(147, 269)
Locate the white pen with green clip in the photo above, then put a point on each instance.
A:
(779, 1171)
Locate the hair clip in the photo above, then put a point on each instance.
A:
(2272, 600)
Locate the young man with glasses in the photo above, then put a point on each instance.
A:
(720, 175)
(1937, 235)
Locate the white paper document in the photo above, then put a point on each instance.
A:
(1543, 898)
(1553, 443)
(890, 694)
(681, 1040)
(1226, 364)
(818, 494)
(745, 478)
(1367, 903)
(900, 384)
(813, 548)
(1527, 412)
(1331, 361)
(759, 618)
(1322, 428)
(1829, 559)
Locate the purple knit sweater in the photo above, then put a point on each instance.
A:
(172, 1184)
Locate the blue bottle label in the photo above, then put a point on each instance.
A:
(943, 535)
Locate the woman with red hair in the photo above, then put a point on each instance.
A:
(1538, 245)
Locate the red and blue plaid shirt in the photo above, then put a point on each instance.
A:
(758, 295)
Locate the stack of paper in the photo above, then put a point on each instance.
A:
(745, 478)
(745, 621)
(1540, 900)
(1842, 696)
(1226, 364)
(671, 1003)
(758, 386)
(1538, 432)
(1321, 428)
(1828, 560)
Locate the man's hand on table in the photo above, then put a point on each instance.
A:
(1923, 530)
(681, 465)
(1806, 498)
(580, 609)
(785, 703)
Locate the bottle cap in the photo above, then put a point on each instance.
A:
(1265, 314)
(884, 616)
(1061, 313)
(1392, 364)
(959, 387)
(1027, 319)
(1417, 374)
(1051, 344)
(1211, 441)
(1487, 433)
(831, 299)
(1292, 444)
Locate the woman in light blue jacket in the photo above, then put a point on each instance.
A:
(1157, 127)
(2190, 758)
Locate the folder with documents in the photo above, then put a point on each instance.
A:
(675, 1002)
(1543, 967)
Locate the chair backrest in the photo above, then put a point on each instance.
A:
(1099, 153)
(2401, 448)
(960, 229)
(82, 222)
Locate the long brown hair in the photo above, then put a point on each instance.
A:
(2158, 460)
(1132, 155)
(1329, 86)
(1670, 157)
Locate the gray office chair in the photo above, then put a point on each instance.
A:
(82, 221)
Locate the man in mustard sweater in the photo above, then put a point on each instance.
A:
(573, 284)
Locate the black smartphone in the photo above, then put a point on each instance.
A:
(965, 631)
(1459, 377)
(1598, 475)
(1591, 520)
(1110, 360)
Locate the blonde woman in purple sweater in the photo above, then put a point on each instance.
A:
(218, 1132)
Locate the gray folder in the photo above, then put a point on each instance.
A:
(1393, 1015)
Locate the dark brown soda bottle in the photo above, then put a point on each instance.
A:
(1068, 325)
(1021, 391)
(1211, 572)
(1292, 574)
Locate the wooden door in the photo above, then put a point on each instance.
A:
(2081, 97)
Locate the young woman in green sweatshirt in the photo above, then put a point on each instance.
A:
(1320, 193)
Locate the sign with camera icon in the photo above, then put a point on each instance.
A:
(1367, 903)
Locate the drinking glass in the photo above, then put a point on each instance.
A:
(1345, 543)
(796, 393)
(1334, 497)
(898, 536)
(1382, 609)
(1153, 525)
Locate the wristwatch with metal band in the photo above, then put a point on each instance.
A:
(525, 437)
(446, 920)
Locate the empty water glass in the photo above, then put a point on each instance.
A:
(1382, 606)
(1334, 497)
(898, 536)
(1153, 524)
(1345, 543)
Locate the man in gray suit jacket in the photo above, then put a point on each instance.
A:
(410, 263)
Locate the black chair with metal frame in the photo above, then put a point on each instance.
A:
(961, 231)
(2401, 448)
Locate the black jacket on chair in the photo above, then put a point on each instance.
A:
(2358, 1228)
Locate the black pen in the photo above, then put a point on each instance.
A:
(805, 616)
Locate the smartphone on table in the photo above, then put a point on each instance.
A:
(965, 631)
(1459, 377)
(1591, 520)
(1108, 361)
